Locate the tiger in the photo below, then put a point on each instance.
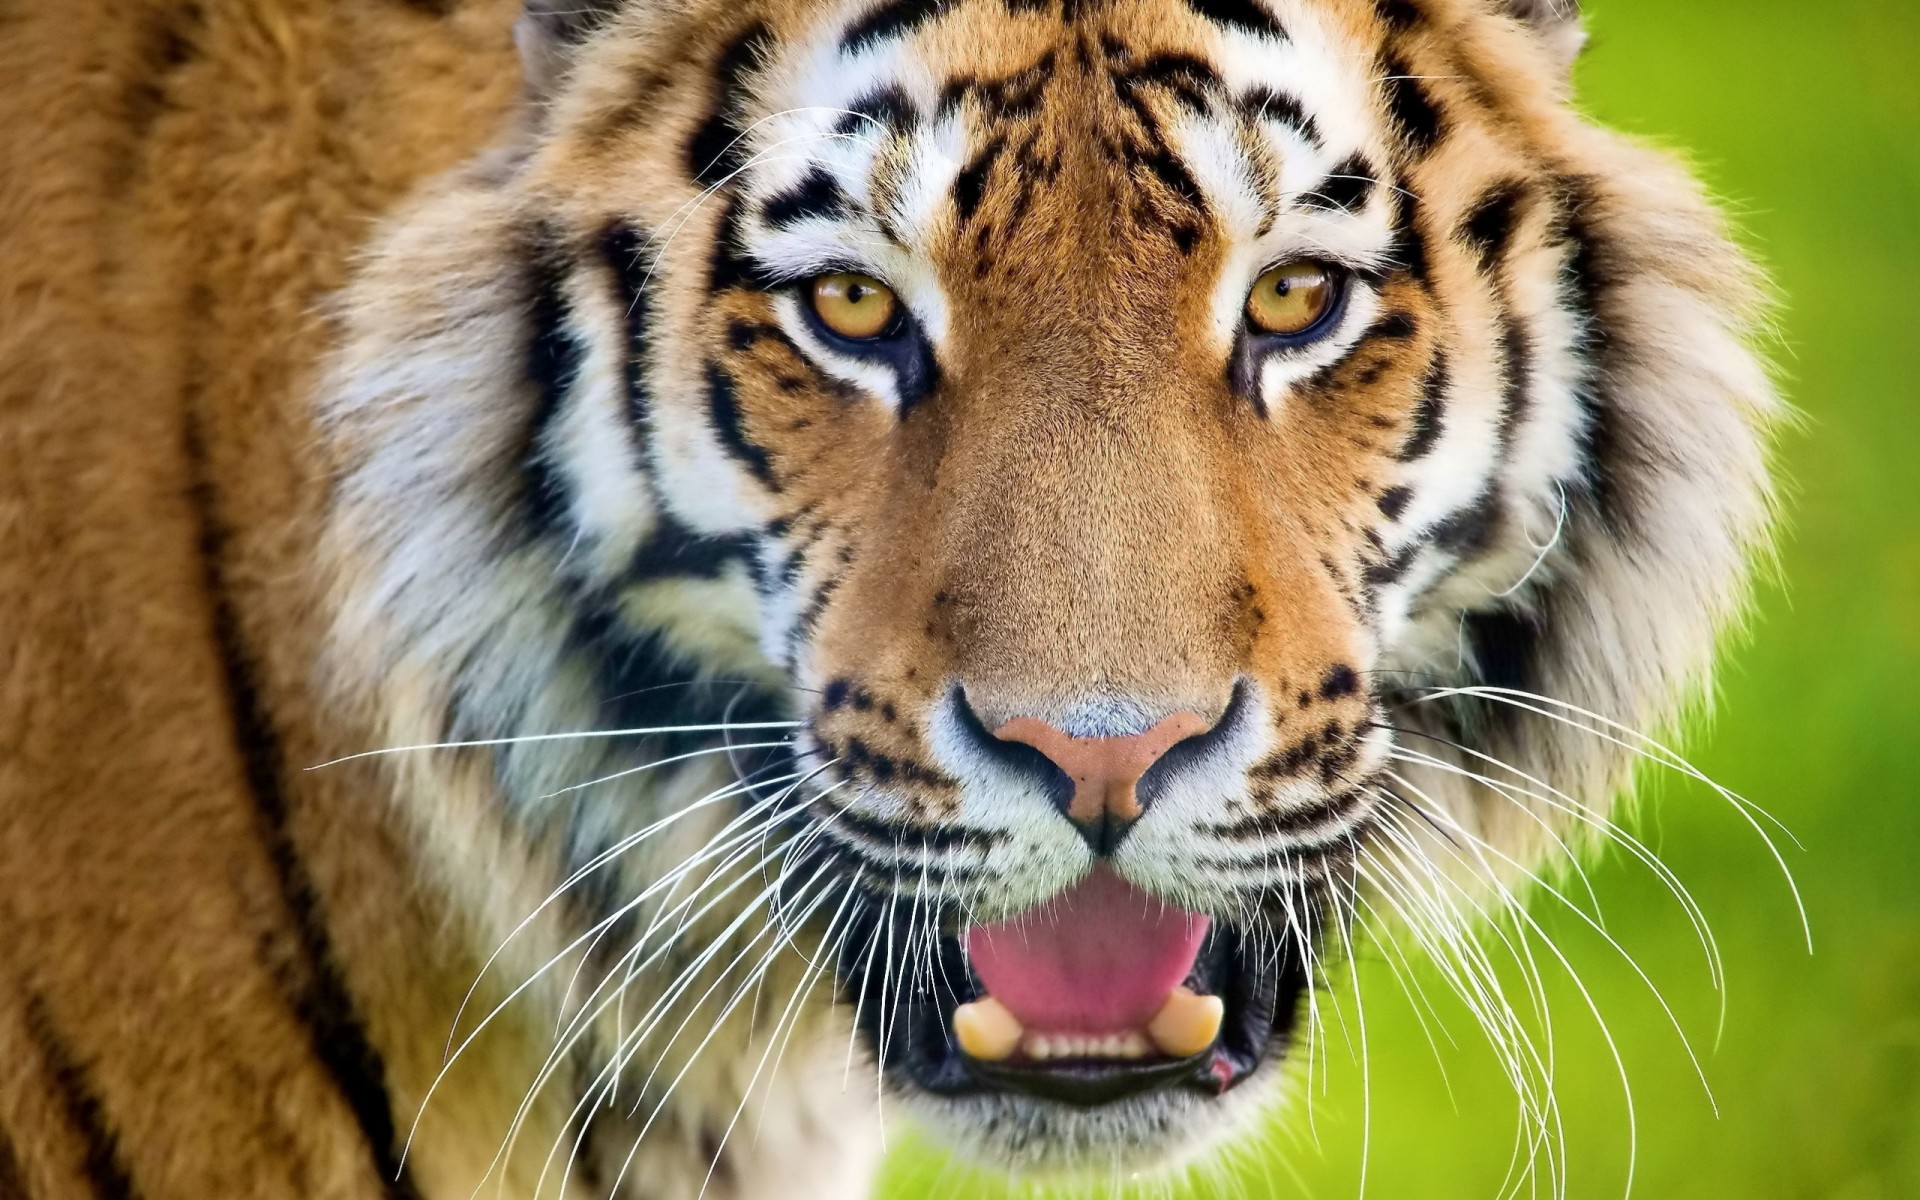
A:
(610, 598)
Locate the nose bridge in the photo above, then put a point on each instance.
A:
(1086, 547)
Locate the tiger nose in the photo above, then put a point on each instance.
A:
(1105, 771)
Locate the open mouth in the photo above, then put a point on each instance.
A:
(1101, 993)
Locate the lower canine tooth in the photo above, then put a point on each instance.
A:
(986, 1030)
(1186, 1024)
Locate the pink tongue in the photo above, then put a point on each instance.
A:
(1101, 957)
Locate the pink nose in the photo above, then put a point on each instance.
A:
(1104, 770)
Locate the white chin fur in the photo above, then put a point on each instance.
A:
(1157, 1133)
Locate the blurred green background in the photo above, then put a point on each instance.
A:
(1806, 119)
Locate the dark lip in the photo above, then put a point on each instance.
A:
(1092, 1084)
(909, 1027)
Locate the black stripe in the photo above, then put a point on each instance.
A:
(1172, 174)
(1324, 822)
(723, 407)
(891, 107)
(1516, 366)
(1398, 15)
(1347, 187)
(970, 184)
(674, 551)
(817, 195)
(1409, 236)
(1248, 16)
(717, 149)
(1488, 226)
(877, 835)
(1192, 81)
(624, 247)
(1586, 278)
(1009, 97)
(1505, 646)
(1468, 531)
(1416, 117)
(892, 19)
(322, 1000)
(645, 682)
(105, 1168)
(1387, 572)
(1396, 326)
(1265, 104)
(744, 335)
(1429, 414)
(1393, 502)
(808, 622)
(730, 266)
(552, 364)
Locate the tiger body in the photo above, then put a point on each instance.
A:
(373, 383)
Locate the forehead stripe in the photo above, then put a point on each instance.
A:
(1265, 104)
(1191, 80)
(717, 149)
(890, 107)
(1346, 188)
(1245, 15)
(895, 18)
(971, 183)
(1416, 117)
(818, 195)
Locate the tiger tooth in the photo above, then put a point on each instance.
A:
(986, 1030)
(1186, 1024)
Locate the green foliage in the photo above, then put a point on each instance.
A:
(1807, 120)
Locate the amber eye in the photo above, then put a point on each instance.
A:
(1290, 299)
(854, 306)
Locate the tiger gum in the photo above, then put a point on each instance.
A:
(1185, 1025)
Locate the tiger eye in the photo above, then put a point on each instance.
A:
(1290, 299)
(854, 306)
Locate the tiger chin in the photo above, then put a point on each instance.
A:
(948, 549)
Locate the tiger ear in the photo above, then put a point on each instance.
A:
(549, 32)
(1556, 23)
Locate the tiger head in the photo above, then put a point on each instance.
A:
(1133, 483)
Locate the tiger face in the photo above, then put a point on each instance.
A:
(1140, 446)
